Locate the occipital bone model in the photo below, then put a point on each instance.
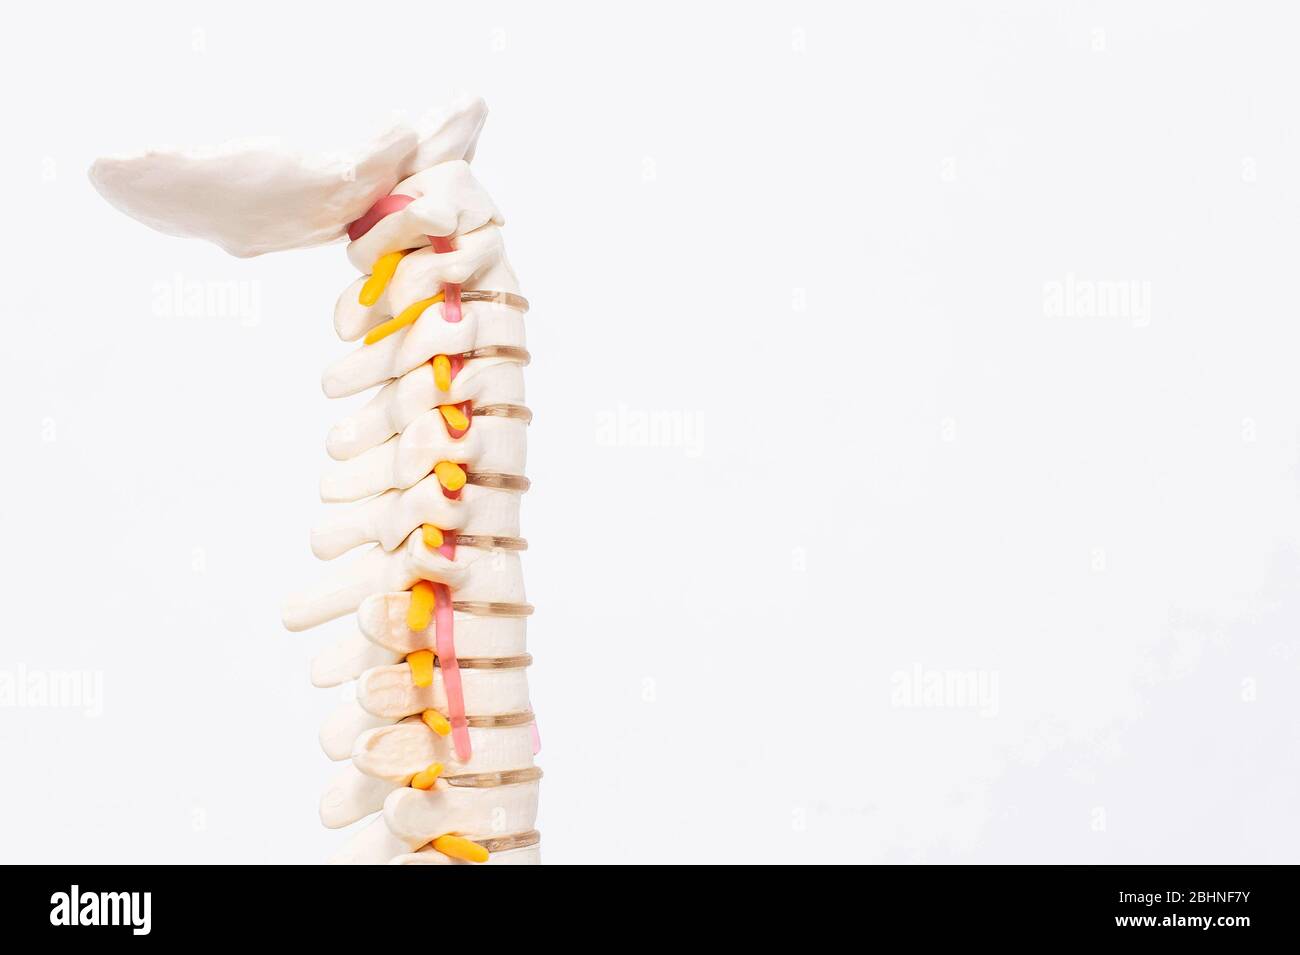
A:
(440, 739)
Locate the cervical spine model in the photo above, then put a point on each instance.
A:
(441, 736)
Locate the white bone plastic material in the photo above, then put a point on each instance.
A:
(397, 752)
(412, 818)
(481, 324)
(389, 518)
(255, 196)
(483, 381)
(491, 444)
(474, 575)
(252, 198)
(448, 200)
(382, 620)
(385, 759)
(387, 691)
(526, 855)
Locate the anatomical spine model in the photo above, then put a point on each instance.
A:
(429, 473)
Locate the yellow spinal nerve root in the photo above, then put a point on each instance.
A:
(420, 612)
(436, 722)
(442, 372)
(450, 475)
(380, 274)
(454, 417)
(421, 664)
(407, 316)
(426, 777)
(459, 848)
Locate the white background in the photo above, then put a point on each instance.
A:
(824, 245)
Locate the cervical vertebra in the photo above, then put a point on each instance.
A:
(441, 736)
